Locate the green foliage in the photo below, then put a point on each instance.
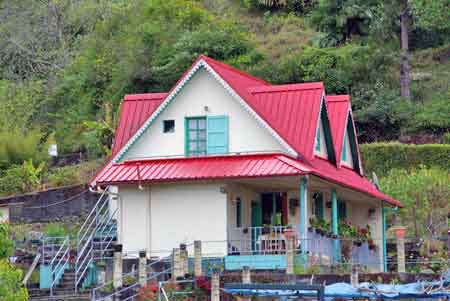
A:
(18, 146)
(63, 176)
(432, 14)
(11, 288)
(382, 157)
(55, 230)
(6, 244)
(432, 116)
(425, 193)
(22, 178)
(298, 6)
(341, 21)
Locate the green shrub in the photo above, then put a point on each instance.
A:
(382, 157)
(54, 230)
(17, 146)
(6, 244)
(64, 176)
(22, 178)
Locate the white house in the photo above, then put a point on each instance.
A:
(234, 161)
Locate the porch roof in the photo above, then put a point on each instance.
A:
(231, 167)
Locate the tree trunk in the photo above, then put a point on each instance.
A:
(405, 69)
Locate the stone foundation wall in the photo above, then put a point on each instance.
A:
(58, 204)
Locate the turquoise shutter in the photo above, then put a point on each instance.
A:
(217, 128)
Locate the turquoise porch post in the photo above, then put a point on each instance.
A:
(383, 236)
(335, 226)
(303, 213)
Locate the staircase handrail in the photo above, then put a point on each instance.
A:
(92, 212)
(31, 268)
(106, 238)
(79, 240)
(61, 264)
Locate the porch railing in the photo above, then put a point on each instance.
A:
(272, 240)
(257, 240)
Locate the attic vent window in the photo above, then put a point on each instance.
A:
(169, 126)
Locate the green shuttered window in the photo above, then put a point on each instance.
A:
(196, 136)
(206, 135)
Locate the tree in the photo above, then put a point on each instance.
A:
(405, 68)
(425, 192)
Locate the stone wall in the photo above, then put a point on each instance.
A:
(57, 204)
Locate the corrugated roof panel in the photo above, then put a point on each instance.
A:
(197, 168)
(134, 111)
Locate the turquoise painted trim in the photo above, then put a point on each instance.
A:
(45, 276)
(303, 221)
(335, 225)
(344, 148)
(217, 128)
(383, 236)
(256, 262)
(327, 132)
(318, 138)
(350, 131)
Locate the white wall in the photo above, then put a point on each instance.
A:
(245, 133)
(188, 212)
(134, 219)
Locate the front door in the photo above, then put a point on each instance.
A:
(256, 221)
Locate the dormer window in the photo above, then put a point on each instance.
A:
(346, 154)
(320, 147)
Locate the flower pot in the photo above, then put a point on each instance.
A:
(357, 243)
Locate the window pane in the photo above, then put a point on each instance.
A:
(202, 123)
(202, 145)
(193, 146)
(202, 135)
(193, 135)
(192, 124)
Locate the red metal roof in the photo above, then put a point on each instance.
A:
(134, 111)
(338, 107)
(293, 111)
(197, 168)
(350, 178)
(229, 167)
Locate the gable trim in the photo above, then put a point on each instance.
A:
(350, 134)
(323, 118)
(353, 139)
(176, 90)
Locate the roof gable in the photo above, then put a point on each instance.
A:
(293, 110)
(134, 111)
(341, 121)
(234, 81)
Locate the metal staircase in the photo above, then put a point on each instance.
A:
(66, 263)
(95, 237)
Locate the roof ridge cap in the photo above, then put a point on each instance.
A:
(145, 96)
(287, 87)
(231, 68)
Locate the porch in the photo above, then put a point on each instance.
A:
(332, 225)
